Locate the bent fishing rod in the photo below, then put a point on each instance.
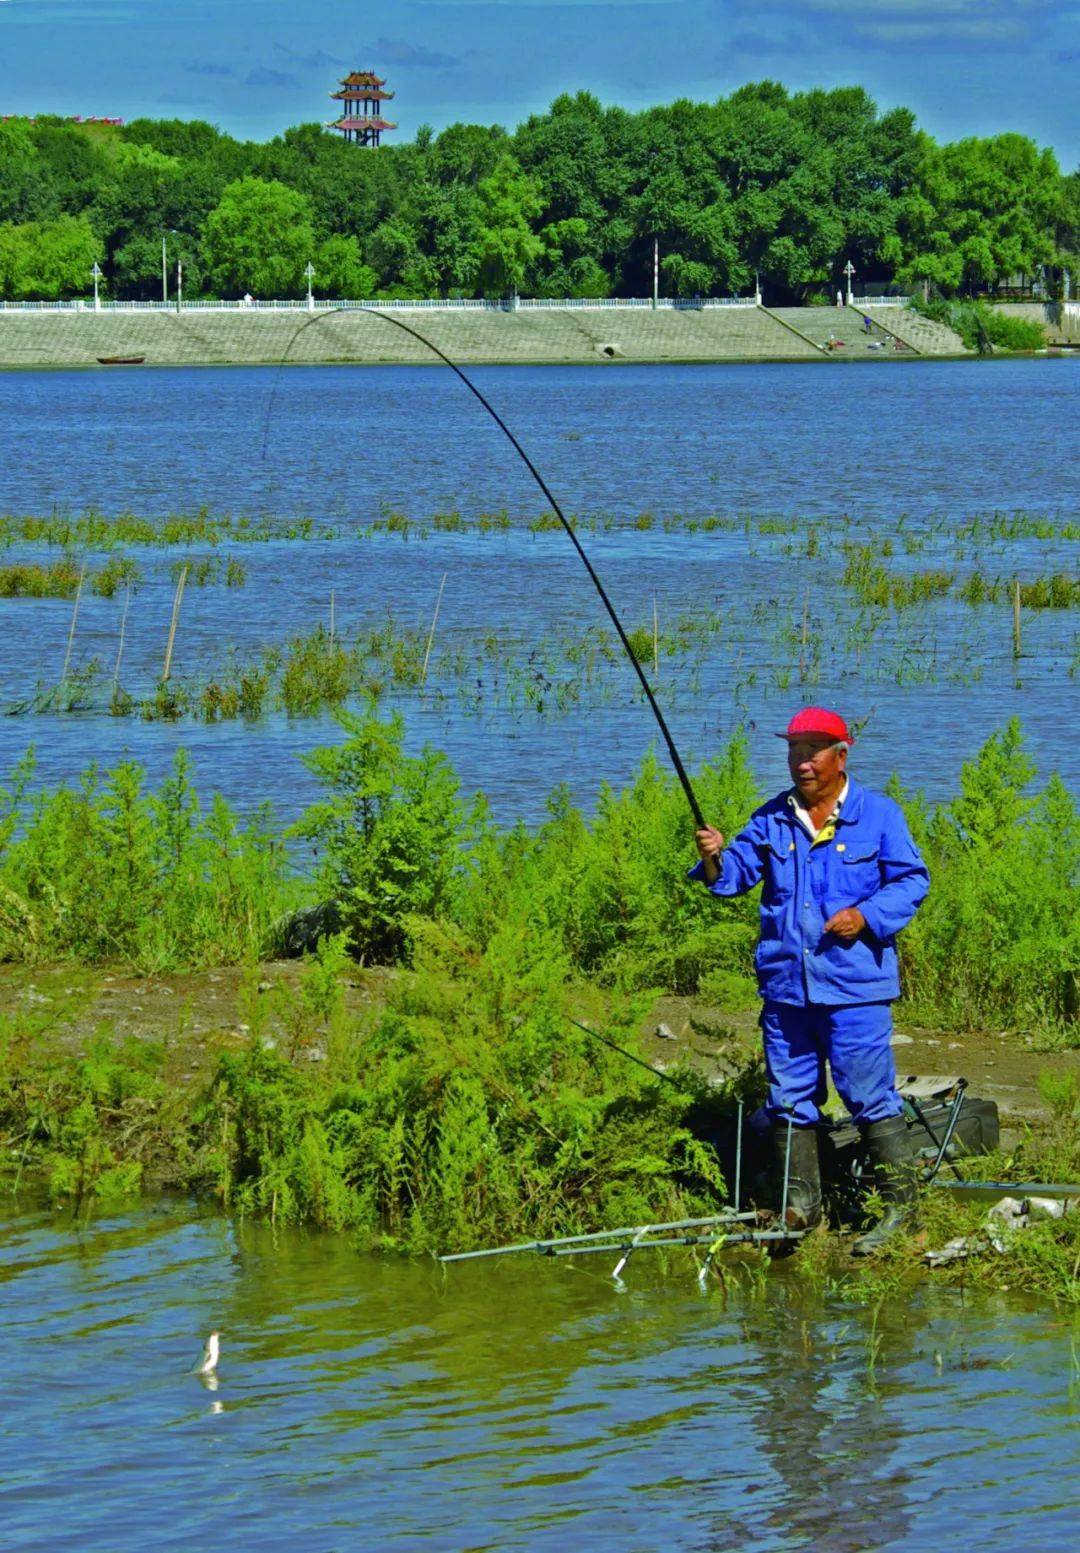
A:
(374, 312)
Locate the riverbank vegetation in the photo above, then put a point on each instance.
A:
(110, 871)
(462, 1105)
(785, 185)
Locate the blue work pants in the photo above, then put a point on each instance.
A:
(852, 1037)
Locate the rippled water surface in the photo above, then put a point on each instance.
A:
(900, 450)
(379, 1403)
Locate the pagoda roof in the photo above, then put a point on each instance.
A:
(352, 122)
(355, 93)
(363, 78)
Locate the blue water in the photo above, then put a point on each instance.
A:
(368, 1403)
(901, 449)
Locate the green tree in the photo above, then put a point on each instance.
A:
(45, 260)
(982, 210)
(340, 272)
(258, 238)
(507, 245)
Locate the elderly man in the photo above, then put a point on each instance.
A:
(841, 876)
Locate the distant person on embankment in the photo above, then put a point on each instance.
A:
(841, 876)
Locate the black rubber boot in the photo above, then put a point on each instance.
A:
(803, 1175)
(891, 1157)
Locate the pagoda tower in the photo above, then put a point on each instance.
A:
(361, 96)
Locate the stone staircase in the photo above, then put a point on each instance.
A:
(888, 325)
(555, 335)
(928, 337)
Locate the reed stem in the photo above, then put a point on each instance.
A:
(120, 646)
(172, 625)
(431, 633)
(71, 631)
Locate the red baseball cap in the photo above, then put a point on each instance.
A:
(816, 722)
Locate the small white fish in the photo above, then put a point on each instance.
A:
(207, 1365)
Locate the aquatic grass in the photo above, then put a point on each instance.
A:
(59, 581)
(210, 571)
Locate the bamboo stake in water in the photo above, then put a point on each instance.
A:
(1016, 617)
(804, 639)
(172, 625)
(120, 647)
(655, 640)
(431, 633)
(331, 617)
(71, 632)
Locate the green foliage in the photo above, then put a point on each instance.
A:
(47, 259)
(981, 327)
(997, 941)
(782, 183)
(93, 1122)
(106, 871)
(470, 1110)
(980, 211)
(391, 835)
(258, 238)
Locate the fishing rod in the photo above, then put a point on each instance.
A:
(639, 1062)
(374, 312)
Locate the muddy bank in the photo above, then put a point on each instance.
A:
(197, 1015)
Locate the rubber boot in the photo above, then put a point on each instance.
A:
(893, 1163)
(803, 1175)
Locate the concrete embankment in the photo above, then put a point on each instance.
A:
(548, 335)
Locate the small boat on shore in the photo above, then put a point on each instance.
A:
(121, 361)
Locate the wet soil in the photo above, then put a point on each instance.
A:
(197, 1015)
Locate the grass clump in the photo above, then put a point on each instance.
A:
(106, 871)
(997, 941)
(468, 1112)
(983, 328)
(59, 581)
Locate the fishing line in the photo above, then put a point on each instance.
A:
(374, 312)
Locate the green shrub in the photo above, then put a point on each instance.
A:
(392, 834)
(982, 327)
(997, 942)
(106, 871)
(470, 1111)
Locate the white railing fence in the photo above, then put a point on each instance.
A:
(455, 304)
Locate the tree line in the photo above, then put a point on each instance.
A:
(765, 183)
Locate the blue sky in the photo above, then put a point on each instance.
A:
(966, 67)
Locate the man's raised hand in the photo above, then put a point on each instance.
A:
(709, 843)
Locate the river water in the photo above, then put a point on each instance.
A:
(904, 451)
(378, 1403)
(367, 1403)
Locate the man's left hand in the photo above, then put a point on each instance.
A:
(848, 923)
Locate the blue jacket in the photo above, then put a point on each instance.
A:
(871, 862)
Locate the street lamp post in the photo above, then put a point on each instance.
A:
(165, 263)
(849, 270)
(96, 272)
(310, 273)
(655, 271)
(179, 284)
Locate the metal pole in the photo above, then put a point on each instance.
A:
(787, 1175)
(164, 271)
(655, 271)
(179, 284)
